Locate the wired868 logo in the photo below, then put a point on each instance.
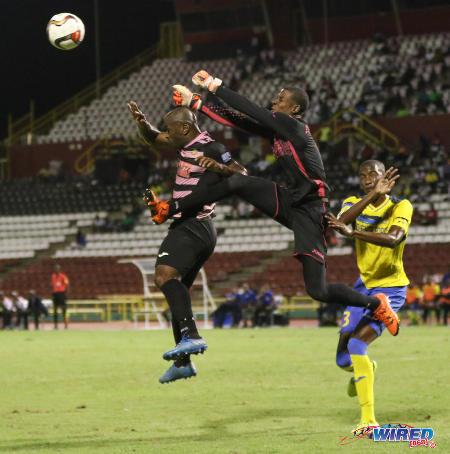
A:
(415, 436)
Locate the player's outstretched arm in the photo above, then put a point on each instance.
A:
(383, 187)
(148, 132)
(277, 122)
(182, 96)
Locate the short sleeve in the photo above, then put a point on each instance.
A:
(219, 153)
(347, 204)
(402, 215)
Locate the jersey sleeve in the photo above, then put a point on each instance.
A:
(278, 123)
(346, 205)
(236, 120)
(402, 215)
(219, 153)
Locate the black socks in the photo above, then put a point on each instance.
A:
(179, 300)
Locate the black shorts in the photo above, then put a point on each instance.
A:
(59, 298)
(308, 223)
(187, 246)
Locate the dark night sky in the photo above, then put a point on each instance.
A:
(32, 68)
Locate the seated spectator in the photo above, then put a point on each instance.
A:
(432, 178)
(401, 157)
(229, 307)
(264, 307)
(7, 308)
(81, 239)
(98, 224)
(36, 307)
(247, 301)
(21, 310)
(127, 223)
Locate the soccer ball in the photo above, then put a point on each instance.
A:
(65, 31)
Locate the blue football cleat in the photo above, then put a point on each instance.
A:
(186, 346)
(176, 373)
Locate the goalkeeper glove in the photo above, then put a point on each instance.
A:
(205, 80)
(182, 96)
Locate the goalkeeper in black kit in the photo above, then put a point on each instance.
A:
(301, 205)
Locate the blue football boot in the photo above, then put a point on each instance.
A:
(186, 346)
(176, 373)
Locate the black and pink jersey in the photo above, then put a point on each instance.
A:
(191, 176)
(292, 143)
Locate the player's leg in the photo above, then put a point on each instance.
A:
(168, 279)
(363, 371)
(314, 274)
(181, 255)
(343, 359)
(259, 192)
(64, 314)
(55, 314)
(309, 224)
(437, 310)
(351, 317)
(425, 313)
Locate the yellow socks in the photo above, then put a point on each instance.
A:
(364, 378)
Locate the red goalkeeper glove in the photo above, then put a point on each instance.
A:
(182, 96)
(206, 81)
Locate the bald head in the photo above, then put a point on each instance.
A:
(182, 126)
(181, 114)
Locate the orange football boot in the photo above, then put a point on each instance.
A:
(385, 313)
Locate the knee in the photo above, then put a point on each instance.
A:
(357, 346)
(343, 360)
(236, 181)
(317, 292)
(160, 279)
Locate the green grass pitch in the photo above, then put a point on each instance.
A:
(257, 391)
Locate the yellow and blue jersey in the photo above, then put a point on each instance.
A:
(381, 266)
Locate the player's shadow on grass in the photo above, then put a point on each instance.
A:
(211, 430)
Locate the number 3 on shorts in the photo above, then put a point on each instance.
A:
(345, 319)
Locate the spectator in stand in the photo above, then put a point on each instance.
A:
(99, 224)
(7, 308)
(432, 179)
(80, 239)
(60, 283)
(21, 310)
(431, 292)
(431, 215)
(446, 276)
(444, 300)
(36, 307)
(401, 158)
(324, 139)
(264, 307)
(247, 303)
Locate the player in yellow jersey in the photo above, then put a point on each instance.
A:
(379, 224)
